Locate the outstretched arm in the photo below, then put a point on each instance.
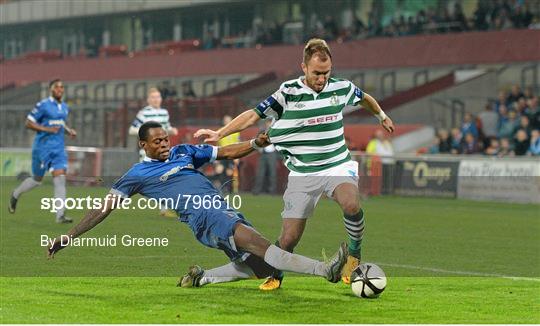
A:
(242, 149)
(90, 220)
(244, 120)
(373, 106)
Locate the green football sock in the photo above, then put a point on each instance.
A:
(355, 230)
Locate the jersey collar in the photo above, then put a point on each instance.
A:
(53, 100)
(147, 159)
(309, 89)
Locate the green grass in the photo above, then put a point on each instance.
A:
(302, 300)
(448, 261)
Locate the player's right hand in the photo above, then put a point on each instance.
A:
(53, 130)
(262, 140)
(207, 135)
(388, 125)
(57, 246)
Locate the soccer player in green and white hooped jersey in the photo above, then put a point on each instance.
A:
(308, 132)
(153, 112)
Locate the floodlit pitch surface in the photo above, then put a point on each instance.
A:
(447, 261)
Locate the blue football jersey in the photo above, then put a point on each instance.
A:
(49, 113)
(175, 178)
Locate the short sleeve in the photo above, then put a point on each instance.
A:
(203, 154)
(126, 186)
(139, 120)
(37, 113)
(272, 107)
(356, 96)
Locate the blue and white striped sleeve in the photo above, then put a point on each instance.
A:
(37, 113)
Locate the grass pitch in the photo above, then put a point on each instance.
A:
(447, 261)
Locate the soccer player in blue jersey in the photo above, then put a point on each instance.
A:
(48, 119)
(171, 173)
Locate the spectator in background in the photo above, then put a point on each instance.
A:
(381, 146)
(524, 125)
(503, 115)
(445, 144)
(501, 101)
(459, 19)
(534, 112)
(515, 94)
(480, 16)
(421, 20)
(435, 145)
(469, 125)
(506, 148)
(456, 140)
(489, 120)
(521, 143)
(507, 128)
(469, 145)
(493, 148)
(521, 106)
(534, 148)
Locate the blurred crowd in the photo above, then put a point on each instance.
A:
(489, 15)
(509, 126)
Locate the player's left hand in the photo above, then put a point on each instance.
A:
(207, 135)
(388, 125)
(262, 140)
(173, 131)
(71, 132)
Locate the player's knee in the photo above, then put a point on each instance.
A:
(351, 207)
(287, 242)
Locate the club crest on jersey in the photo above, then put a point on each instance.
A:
(334, 100)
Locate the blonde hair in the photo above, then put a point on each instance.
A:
(319, 47)
(153, 90)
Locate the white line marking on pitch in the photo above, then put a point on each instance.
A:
(439, 270)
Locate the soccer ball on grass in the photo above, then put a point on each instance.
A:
(368, 281)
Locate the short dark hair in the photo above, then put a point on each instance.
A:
(143, 130)
(54, 81)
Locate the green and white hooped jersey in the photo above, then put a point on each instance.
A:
(308, 126)
(148, 113)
